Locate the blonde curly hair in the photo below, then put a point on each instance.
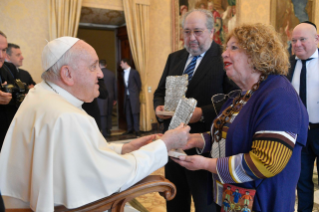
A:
(263, 46)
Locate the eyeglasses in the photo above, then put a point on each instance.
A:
(217, 98)
(197, 32)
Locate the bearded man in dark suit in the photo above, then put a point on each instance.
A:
(206, 79)
(132, 83)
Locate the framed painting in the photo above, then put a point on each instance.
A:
(223, 11)
(286, 14)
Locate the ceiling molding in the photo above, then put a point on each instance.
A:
(88, 3)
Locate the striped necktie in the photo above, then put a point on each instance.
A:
(303, 82)
(191, 67)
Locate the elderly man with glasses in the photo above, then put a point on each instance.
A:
(201, 60)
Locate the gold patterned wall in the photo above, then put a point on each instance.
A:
(26, 23)
(252, 11)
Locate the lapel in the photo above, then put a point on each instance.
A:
(293, 62)
(205, 65)
(129, 77)
(178, 68)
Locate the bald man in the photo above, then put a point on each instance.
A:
(304, 76)
(54, 153)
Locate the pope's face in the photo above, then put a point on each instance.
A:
(87, 71)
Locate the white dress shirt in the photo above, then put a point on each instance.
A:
(312, 85)
(190, 57)
(126, 76)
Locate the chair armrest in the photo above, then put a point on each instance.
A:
(116, 202)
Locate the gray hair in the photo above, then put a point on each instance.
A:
(207, 13)
(52, 74)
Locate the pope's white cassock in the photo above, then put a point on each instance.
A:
(54, 154)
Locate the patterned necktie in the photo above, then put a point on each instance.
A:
(191, 67)
(303, 82)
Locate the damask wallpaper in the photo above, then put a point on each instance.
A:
(251, 11)
(26, 24)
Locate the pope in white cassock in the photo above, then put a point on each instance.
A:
(54, 153)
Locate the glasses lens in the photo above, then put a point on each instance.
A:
(218, 98)
(234, 94)
(198, 32)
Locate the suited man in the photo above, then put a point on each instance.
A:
(14, 56)
(92, 108)
(208, 79)
(304, 76)
(8, 74)
(106, 105)
(132, 82)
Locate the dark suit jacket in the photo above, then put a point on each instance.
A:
(92, 108)
(109, 80)
(209, 79)
(134, 88)
(25, 77)
(8, 73)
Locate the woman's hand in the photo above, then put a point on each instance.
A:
(197, 162)
(195, 140)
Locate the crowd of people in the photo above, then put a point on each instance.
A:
(251, 142)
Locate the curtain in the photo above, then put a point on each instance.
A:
(64, 18)
(137, 22)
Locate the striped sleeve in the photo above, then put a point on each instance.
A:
(271, 151)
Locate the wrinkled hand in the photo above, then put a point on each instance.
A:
(195, 140)
(137, 143)
(5, 98)
(197, 162)
(176, 138)
(197, 114)
(160, 108)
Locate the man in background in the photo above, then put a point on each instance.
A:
(106, 105)
(8, 72)
(132, 82)
(14, 56)
(201, 60)
(304, 76)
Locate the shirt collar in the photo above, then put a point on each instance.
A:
(201, 55)
(66, 95)
(127, 70)
(314, 55)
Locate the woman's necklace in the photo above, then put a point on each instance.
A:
(237, 105)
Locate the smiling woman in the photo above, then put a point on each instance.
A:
(256, 140)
